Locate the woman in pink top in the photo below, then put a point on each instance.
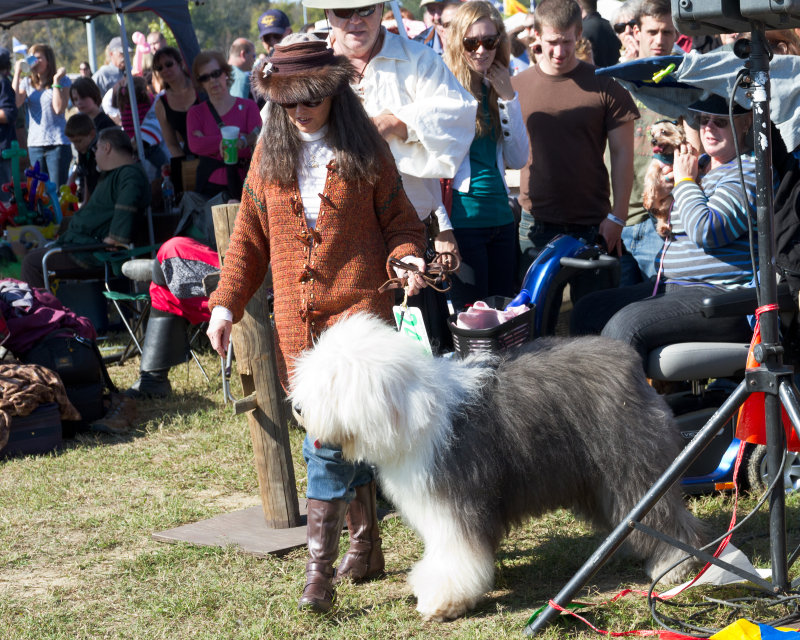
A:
(212, 73)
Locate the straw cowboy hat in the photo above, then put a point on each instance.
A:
(338, 4)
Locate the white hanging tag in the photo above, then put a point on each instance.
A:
(409, 323)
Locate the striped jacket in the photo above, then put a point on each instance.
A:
(709, 223)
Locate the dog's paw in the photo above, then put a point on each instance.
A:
(442, 610)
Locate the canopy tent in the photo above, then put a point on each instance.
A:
(174, 12)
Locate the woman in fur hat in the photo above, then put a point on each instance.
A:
(323, 203)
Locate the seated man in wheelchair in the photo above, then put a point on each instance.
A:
(110, 217)
(707, 254)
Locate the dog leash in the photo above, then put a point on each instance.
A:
(436, 275)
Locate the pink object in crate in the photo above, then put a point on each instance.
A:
(481, 316)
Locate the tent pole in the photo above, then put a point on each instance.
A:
(91, 45)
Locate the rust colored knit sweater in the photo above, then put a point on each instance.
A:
(318, 274)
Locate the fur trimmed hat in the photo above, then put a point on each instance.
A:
(302, 72)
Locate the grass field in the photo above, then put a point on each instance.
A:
(77, 559)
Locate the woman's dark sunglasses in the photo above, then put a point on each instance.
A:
(489, 43)
(362, 12)
(216, 73)
(719, 122)
(619, 27)
(293, 105)
(167, 64)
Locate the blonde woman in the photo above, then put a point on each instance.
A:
(45, 93)
(477, 53)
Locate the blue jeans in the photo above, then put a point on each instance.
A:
(643, 246)
(53, 160)
(631, 315)
(330, 477)
(491, 253)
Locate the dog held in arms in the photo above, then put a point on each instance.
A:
(665, 137)
(465, 449)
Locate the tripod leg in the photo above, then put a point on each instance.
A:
(624, 529)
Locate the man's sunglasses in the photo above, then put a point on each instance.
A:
(216, 73)
(362, 12)
(293, 105)
(489, 43)
(619, 27)
(718, 122)
(168, 64)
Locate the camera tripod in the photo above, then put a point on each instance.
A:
(771, 377)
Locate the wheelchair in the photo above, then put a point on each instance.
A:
(707, 372)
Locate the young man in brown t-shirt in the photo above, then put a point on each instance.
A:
(570, 114)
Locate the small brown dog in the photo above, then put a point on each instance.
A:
(665, 137)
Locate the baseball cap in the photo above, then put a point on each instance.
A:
(716, 106)
(273, 21)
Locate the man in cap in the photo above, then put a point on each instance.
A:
(273, 26)
(432, 15)
(110, 73)
(8, 113)
(428, 120)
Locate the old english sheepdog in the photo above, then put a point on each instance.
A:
(467, 448)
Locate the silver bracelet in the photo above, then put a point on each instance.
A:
(616, 220)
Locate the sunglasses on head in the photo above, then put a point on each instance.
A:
(311, 104)
(362, 12)
(489, 43)
(619, 27)
(718, 122)
(167, 64)
(216, 73)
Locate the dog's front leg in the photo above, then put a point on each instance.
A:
(455, 571)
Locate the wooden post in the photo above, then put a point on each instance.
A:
(265, 400)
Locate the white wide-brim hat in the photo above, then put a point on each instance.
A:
(338, 4)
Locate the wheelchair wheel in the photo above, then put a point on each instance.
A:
(758, 478)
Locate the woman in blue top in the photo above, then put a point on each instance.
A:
(707, 253)
(477, 53)
(45, 94)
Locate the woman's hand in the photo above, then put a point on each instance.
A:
(415, 282)
(219, 333)
(500, 78)
(685, 163)
(61, 73)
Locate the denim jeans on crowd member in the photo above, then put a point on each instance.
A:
(491, 253)
(330, 477)
(53, 160)
(633, 315)
(643, 245)
(534, 236)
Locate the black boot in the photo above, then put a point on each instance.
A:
(325, 522)
(166, 344)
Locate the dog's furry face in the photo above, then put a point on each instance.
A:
(376, 394)
(348, 390)
(665, 137)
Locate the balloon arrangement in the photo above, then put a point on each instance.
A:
(35, 201)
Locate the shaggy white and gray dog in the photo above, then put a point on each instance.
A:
(467, 448)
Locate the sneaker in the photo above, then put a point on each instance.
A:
(120, 417)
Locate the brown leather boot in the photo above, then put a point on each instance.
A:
(325, 521)
(364, 558)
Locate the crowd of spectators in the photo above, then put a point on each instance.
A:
(524, 98)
